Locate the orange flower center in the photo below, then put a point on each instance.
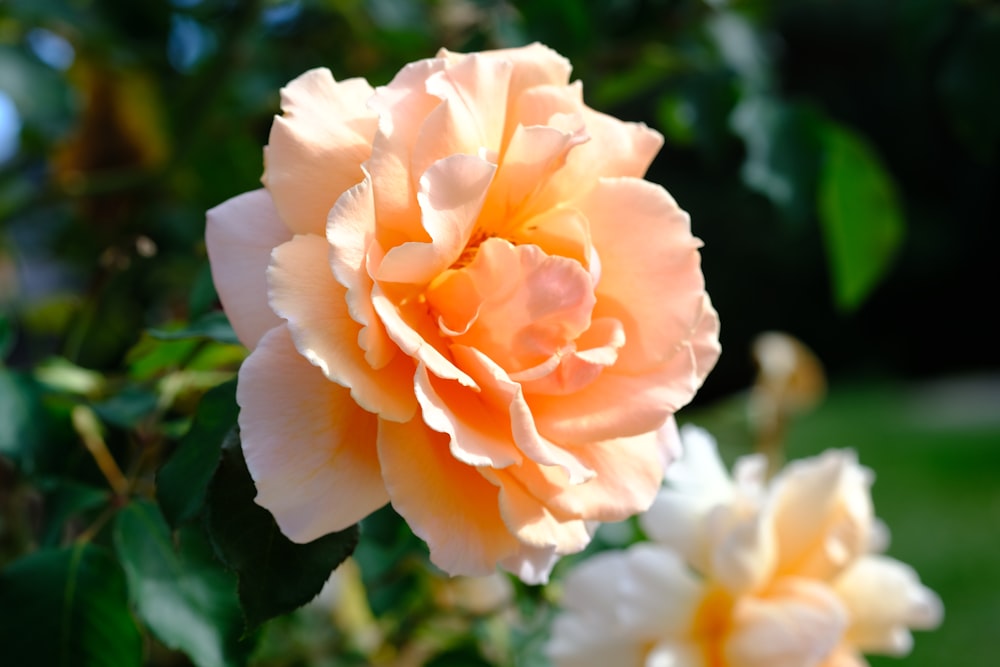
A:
(712, 622)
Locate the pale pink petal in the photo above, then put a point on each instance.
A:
(531, 522)
(629, 472)
(559, 231)
(532, 155)
(316, 148)
(533, 304)
(350, 232)
(304, 291)
(240, 234)
(577, 365)
(451, 195)
(447, 503)
(479, 434)
(534, 65)
(409, 326)
(886, 599)
(799, 624)
(470, 120)
(530, 564)
(544, 104)
(309, 447)
(506, 397)
(650, 270)
(634, 147)
(402, 107)
(616, 405)
(822, 513)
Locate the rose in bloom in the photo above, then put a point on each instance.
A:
(462, 298)
(746, 573)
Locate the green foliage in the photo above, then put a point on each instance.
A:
(248, 540)
(182, 594)
(182, 482)
(67, 608)
(18, 411)
(861, 216)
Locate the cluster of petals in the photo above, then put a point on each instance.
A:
(742, 572)
(461, 297)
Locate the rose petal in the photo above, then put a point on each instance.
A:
(532, 156)
(412, 330)
(531, 521)
(478, 435)
(308, 445)
(402, 107)
(533, 304)
(618, 603)
(822, 513)
(240, 235)
(534, 65)
(798, 625)
(886, 599)
(616, 406)
(470, 120)
(635, 146)
(304, 292)
(628, 473)
(350, 232)
(316, 148)
(570, 370)
(650, 269)
(451, 195)
(448, 504)
(506, 397)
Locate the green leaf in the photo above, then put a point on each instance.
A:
(276, 575)
(67, 608)
(128, 407)
(7, 336)
(183, 480)
(214, 326)
(860, 215)
(185, 596)
(18, 419)
(64, 500)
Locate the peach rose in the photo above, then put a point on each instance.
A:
(461, 298)
(745, 573)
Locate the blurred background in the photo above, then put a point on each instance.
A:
(840, 159)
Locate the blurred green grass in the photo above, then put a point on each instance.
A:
(935, 450)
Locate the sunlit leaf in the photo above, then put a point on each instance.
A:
(213, 325)
(860, 214)
(276, 575)
(183, 480)
(183, 594)
(67, 608)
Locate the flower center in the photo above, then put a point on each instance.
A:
(712, 622)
